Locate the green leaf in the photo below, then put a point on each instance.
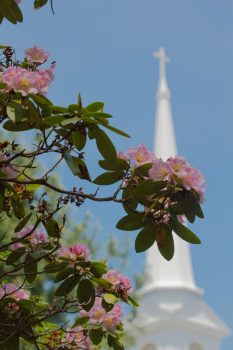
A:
(67, 286)
(106, 306)
(150, 187)
(16, 112)
(54, 120)
(95, 107)
(192, 202)
(72, 164)
(18, 209)
(77, 166)
(10, 10)
(95, 335)
(81, 321)
(41, 100)
(105, 146)
(185, 233)
(98, 115)
(130, 222)
(108, 178)
(15, 256)
(98, 268)
(79, 140)
(110, 298)
(52, 227)
(58, 109)
(143, 169)
(128, 194)
(30, 269)
(132, 301)
(165, 241)
(26, 304)
(114, 342)
(86, 294)
(146, 237)
(10, 126)
(55, 266)
(63, 274)
(102, 282)
(119, 164)
(23, 222)
(34, 118)
(39, 3)
(117, 131)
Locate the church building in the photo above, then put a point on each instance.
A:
(172, 313)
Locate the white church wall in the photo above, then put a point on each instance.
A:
(176, 339)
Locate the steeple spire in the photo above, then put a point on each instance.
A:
(178, 272)
(163, 59)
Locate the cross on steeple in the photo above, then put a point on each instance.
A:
(163, 59)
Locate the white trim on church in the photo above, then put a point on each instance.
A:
(172, 313)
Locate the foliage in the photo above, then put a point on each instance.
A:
(157, 197)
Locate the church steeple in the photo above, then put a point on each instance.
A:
(172, 314)
(177, 272)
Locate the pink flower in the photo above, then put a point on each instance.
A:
(108, 320)
(77, 337)
(160, 170)
(36, 55)
(10, 290)
(179, 172)
(7, 170)
(78, 251)
(182, 171)
(35, 238)
(18, 2)
(117, 279)
(82, 251)
(140, 155)
(27, 81)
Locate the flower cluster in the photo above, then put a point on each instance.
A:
(29, 80)
(76, 337)
(108, 320)
(176, 170)
(10, 290)
(7, 170)
(78, 251)
(119, 281)
(37, 237)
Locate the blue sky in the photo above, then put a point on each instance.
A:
(104, 50)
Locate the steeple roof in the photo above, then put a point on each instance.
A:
(178, 272)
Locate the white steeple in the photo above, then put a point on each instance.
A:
(172, 314)
(160, 272)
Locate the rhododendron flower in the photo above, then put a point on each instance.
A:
(78, 251)
(35, 238)
(7, 170)
(10, 290)
(18, 2)
(108, 320)
(160, 170)
(36, 55)
(27, 81)
(140, 155)
(77, 337)
(117, 279)
(178, 171)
